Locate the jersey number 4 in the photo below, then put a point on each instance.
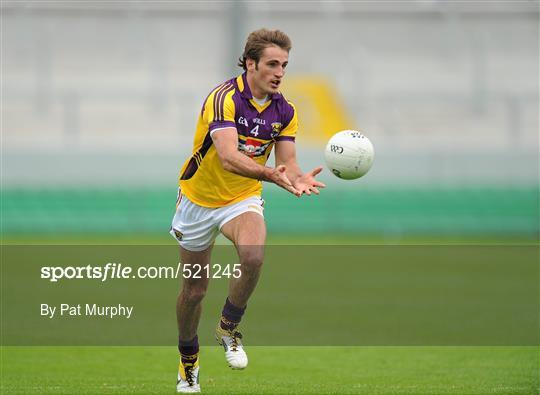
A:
(255, 131)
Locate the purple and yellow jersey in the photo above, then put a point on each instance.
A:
(202, 178)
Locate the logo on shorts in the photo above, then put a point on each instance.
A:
(178, 234)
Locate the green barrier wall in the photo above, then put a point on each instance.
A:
(491, 210)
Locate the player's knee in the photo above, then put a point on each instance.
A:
(193, 295)
(252, 260)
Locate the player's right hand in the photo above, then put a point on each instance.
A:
(279, 177)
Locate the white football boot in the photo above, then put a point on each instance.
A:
(232, 344)
(188, 377)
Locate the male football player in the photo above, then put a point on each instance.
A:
(220, 188)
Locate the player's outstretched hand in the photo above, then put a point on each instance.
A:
(279, 177)
(307, 183)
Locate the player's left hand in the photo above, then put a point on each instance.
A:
(307, 183)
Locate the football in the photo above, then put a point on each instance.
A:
(349, 154)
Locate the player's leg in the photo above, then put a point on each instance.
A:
(248, 233)
(195, 228)
(188, 314)
(188, 304)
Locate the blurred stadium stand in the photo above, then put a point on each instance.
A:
(392, 212)
(99, 101)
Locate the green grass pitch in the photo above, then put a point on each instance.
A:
(276, 370)
(272, 369)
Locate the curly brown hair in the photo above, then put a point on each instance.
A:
(260, 39)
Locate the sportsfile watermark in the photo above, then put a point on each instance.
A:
(441, 295)
(119, 271)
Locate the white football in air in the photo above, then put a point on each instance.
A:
(349, 154)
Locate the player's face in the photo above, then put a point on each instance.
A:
(268, 73)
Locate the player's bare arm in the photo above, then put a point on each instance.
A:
(303, 182)
(226, 143)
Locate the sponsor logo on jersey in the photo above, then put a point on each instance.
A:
(252, 147)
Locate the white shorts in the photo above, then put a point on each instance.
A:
(196, 227)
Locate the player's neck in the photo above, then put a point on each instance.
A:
(258, 96)
(261, 102)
